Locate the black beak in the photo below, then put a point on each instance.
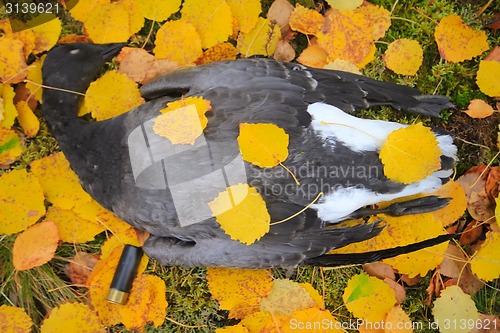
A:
(110, 50)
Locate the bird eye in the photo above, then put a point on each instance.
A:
(75, 51)
(296, 68)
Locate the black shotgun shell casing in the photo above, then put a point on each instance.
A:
(124, 274)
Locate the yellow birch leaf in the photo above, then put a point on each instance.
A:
(26, 36)
(345, 4)
(21, 201)
(241, 213)
(35, 246)
(146, 303)
(368, 58)
(12, 60)
(9, 112)
(80, 9)
(455, 208)
(264, 322)
(261, 40)
(343, 65)
(486, 262)
(346, 37)
(111, 95)
(10, 146)
(320, 303)
(399, 321)
(35, 75)
(127, 236)
(212, 19)
(404, 56)
(410, 154)
(265, 145)
(306, 21)
(72, 227)
(171, 43)
(312, 320)
(219, 52)
(488, 77)
(27, 119)
(239, 290)
(245, 14)
(93, 211)
(14, 319)
(368, 297)
(59, 182)
(233, 329)
(313, 56)
(113, 22)
(458, 42)
(404, 230)
(453, 305)
(182, 125)
(378, 17)
(159, 10)
(286, 297)
(46, 34)
(72, 317)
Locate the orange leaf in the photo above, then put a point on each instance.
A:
(458, 42)
(142, 67)
(345, 36)
(35, 246)
(21, 201)
(146, 303)
(218, 52)
(313, 56)
(306, 20)
(378, 17)
(479, 109)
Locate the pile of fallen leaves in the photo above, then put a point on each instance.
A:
(44, 206)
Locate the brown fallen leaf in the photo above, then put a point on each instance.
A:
(411, 281)
(456, 267)
(487, 324)
(142, 67)
(398, 289)
(494, 54)
(380, 270)
(80, 267)
(280, 12)
(471, 233)
(24, 94)
(284, 51)
(493, 182)
(479, 204)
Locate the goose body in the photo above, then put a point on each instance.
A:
(164, 188)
